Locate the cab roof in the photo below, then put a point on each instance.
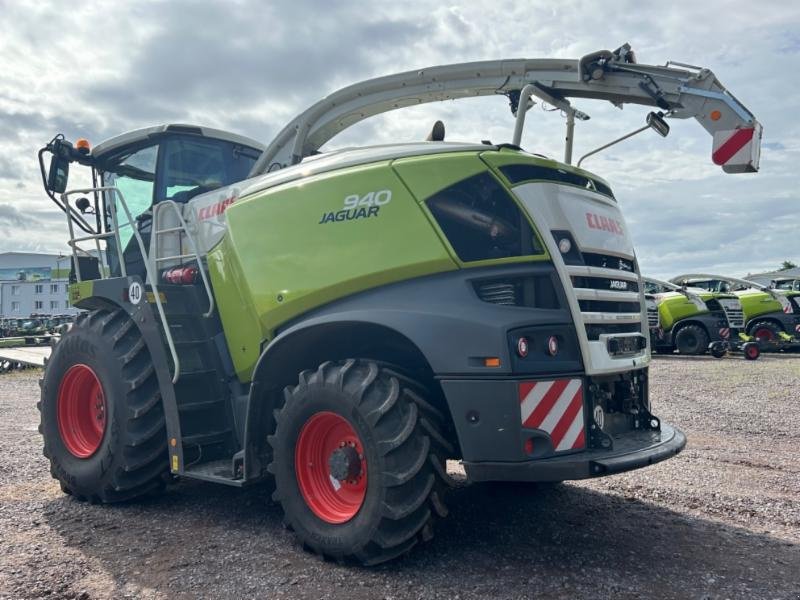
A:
(138, 135)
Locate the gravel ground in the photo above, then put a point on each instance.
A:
(722, 520)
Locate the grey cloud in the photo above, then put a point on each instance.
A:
(251, 55)
(11, 217)
(14, 124)
(7, 170)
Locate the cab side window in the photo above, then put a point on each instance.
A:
(194, 166)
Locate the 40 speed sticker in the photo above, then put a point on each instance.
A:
(135, 292)
(358, 207)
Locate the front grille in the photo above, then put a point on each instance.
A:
(735, 317)
(605, 283)
(732, 309)
(609, 302)
(608, 306)
(593, 332)
(607, 261)
(652, 317)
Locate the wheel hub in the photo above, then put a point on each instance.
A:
(345, 463)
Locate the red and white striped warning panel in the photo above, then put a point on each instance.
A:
(737, 150)
(725, 333)
(555, 407)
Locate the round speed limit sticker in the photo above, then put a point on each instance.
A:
(135, 292)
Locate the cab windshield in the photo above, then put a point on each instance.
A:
(788, 285)
(175, 167)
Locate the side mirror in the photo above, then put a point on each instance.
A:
(657, 124)
(58, 174)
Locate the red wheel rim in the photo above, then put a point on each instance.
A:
(330, 467)
(764, 333)
(752, 352)
(81, 410)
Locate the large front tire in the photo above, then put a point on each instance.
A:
(101, 414)
(359, 462)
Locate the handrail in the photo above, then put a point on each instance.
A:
(148, 270)
(192, 244)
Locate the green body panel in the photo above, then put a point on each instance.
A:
(290, 249)
(756, 303)
(674, 307)
(80, 291)
(427, 175)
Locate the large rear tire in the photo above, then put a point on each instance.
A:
(691, 340)
(359, 462)
(101, 414)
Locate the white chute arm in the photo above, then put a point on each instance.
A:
(680, 90)
(694, 298)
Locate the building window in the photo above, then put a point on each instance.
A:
(15, 290)
(53, 304)
(15, 307)
(38, 288)
(53, 288)
(38, 305)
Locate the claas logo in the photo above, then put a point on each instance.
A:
(215, 209)
(602, 223)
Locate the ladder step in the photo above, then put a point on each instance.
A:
(203, 405)
(202, 439)
(198, 373)
(218, 471)
(189, 343)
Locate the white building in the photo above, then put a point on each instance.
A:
(34, 284)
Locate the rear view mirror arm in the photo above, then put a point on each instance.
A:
(73, 214)
(613, 142)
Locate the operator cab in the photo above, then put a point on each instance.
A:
(652, 288)
(151, 165)
(786, 284)
(716, 286)
(173, 162)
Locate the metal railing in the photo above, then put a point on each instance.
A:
(105, 269)
(182, 229)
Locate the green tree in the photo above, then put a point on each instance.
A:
(787, 264)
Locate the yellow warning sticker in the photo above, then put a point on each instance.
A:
(174, 462)
(151, 297)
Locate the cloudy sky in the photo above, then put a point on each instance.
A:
(92, 69)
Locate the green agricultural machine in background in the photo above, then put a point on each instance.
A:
(344, 322)
(771, 317)
(695, 321)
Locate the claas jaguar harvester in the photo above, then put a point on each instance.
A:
(772, 317)
(344, 322)
(695, 321)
